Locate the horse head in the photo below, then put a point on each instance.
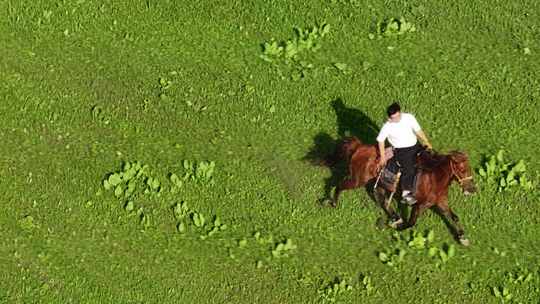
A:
(461, 172)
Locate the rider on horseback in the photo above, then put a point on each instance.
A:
(402, 130)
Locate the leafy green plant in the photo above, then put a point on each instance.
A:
(419, 240)
(145, 220)
(415, 239)
(262, 245)
(198, 219)
(471, 288)
(181, 227)
(519, 282)
(176, 182)
(366, 283)
(205, 170)
(283, 249)
(216, 226)
(99, 115)
(272, 50)
(496, 250)
(445, 253)
(153, 184)
(164, 83)
(182, 212)
(305, 40)
(129, 206)
(27, 223)
(242, 243)
(263, 240)
(392, 257)
(503, 174)
(392, 27)
(126, 181)
(146, 104)
(294, 52)
(164, 86)
(520, 277)
(134, 180)
(331, 292)
(196, 106)
(342, 67)
(130, 182)
(202, 171)
(502, 293)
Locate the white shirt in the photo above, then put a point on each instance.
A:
(400, 134)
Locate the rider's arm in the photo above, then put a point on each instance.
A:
(381, 153)
(381, 138)
(418, 131)
(423, 138)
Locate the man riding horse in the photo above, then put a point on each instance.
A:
(402, 131)
(437, 171)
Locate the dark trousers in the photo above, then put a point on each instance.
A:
(407, 160)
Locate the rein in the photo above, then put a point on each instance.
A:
(459, 178)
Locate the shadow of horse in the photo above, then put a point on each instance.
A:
(350, 122)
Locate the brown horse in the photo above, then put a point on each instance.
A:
(435, 174)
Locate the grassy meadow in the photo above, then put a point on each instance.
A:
(157, 151)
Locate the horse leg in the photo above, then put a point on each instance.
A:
(417, 210)
(460, 230)
(457, 227)
(385, 202)
(349, 183)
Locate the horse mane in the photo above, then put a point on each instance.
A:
(352, 140)
(429, 161)
(458, 156)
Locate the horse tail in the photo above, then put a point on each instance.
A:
(344, 150)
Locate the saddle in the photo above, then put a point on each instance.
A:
(390, 174)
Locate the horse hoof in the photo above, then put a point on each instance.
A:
(330, 202)
(464, 241)
(397, 223)
(403, 227)
(324, 202)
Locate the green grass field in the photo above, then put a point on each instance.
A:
(88, 86)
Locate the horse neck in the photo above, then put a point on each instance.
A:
(351, 149)
(447, 170)
(443, 171)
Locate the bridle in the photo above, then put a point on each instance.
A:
(459, 178)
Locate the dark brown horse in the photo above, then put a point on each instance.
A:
(435, 174)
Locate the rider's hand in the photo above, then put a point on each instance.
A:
(382, 162)
(429, 147)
